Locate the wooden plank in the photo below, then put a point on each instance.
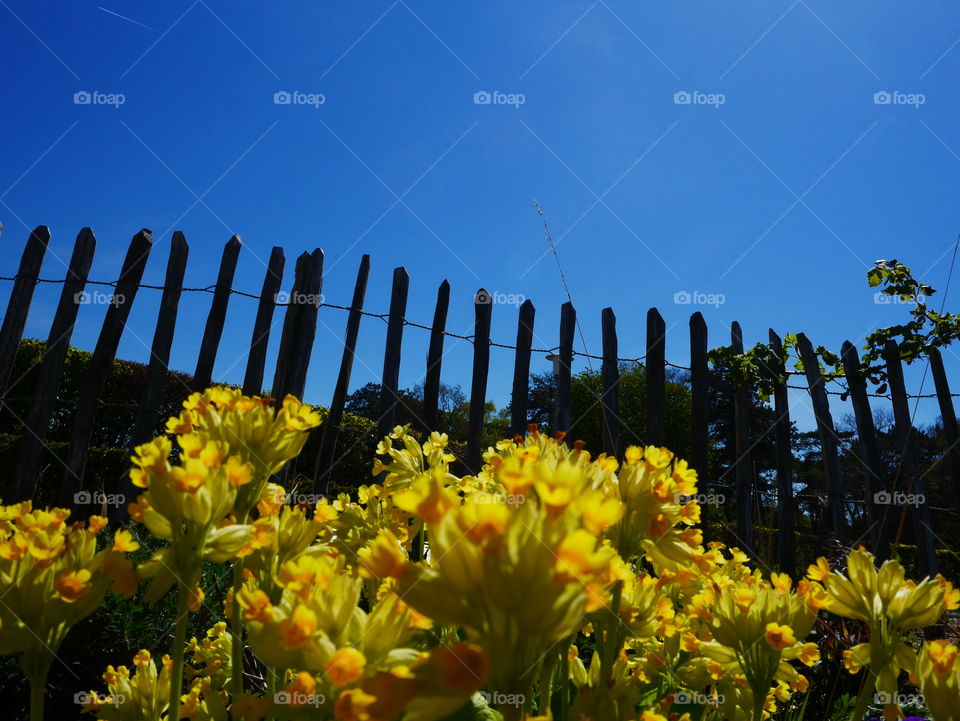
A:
(331, 426)
(912, 478)
(101, 362)
(948, 414)
(610, 370)
(873, 480)
(213, 331)
(44, 402)
(148, 410)
(390, 386)
(743, 464)
(656, 379)
(306, 328)
(289, 332)
(519, 397)
(18, 305)
(478, 387)
(263, 323)
(431, 381)
(836, 518)
(568, 324)
(700, 394)
(786, 542)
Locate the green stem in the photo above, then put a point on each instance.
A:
(611, 646)
(236, 629)
(179, 650)
(565, 681)
(863, 699)
(272, 686)
(36, 697)
(35, 664)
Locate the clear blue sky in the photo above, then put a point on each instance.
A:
(776, 186)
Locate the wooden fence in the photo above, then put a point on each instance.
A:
(293, 361)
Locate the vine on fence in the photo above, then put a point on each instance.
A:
(761, 369)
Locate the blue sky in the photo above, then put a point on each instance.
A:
(775, 187)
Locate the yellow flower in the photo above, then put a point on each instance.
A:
(73, 585)
(346, 666)
(297, 630)
(779, 636)
(123, 541)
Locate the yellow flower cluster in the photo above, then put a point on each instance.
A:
(431, 594)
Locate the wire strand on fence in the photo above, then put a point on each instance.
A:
(385, 317)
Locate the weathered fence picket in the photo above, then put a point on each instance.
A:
(431, 379)
(213, 330)
(390, 387)
(521, 369)
(568, 324)
(15, 319)
(786, 548)
(743, 446)
(948, 416)
(331, 425)
(263, 323)
(100, 363)
(44, 402)
(699, 394)
(835, 516)
(656, 379)
(483, 312)
(610, 400)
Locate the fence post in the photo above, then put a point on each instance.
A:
(610, 400)
(431, 381)
(828, 439)
(656, 377)
(519, 398)
(101, 363)
(568, 323)
(331, 426)
(146, 417)
(218, 314)
(786, 542)
(742, 447)
(306, 326)
(15, 319)
(948, 414)
(288, 335)
(478, 386)
(699, 391)
(873, 482)
(253, 377)
(389, 389)
(58, 344)
(906, 440)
